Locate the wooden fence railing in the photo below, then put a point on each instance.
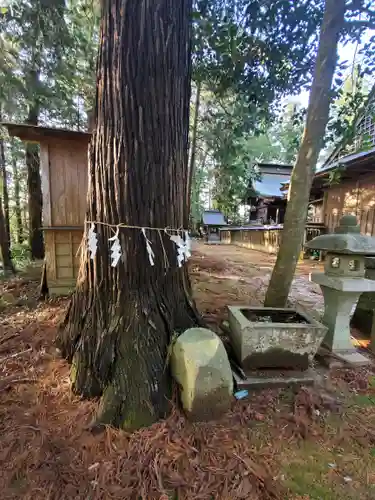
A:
(268, 238)
(264, 238)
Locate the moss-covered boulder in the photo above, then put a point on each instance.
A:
(200, 365)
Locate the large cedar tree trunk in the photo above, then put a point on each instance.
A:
(304, 169)
(4, 242)
(193, 147)
(5, 193)
(34, 189)
(121, 320)
(17, 200)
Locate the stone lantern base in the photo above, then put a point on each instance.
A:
(340, 295)
(364, 315)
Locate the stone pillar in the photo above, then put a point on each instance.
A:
(337, 310)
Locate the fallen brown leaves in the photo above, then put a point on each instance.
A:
(46, 450)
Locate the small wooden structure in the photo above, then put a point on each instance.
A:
(345, 185)
(265, 196)
(63, 160)
(212, 221)
(352, 194)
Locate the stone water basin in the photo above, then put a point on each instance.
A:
(264, 338)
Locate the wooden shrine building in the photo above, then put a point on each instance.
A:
(212, 221)
(345, 184)
(265, 196)
(63, 162)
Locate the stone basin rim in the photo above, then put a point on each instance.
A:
(312, 322)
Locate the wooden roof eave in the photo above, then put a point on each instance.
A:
(38, 134)
(351, 171)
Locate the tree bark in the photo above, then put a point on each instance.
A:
(121, 319)
(193, 146)
(17, 201)
(25, 217)
(4, 243)
(34, 189)
(304, 169)
(5, 193)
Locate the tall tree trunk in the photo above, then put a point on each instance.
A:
(4, 242)
(34, 189)
(17, 200)
(193, 146)
(304, 169)
(25, 217)
(5, 193)
(196, 188)
(121, 319)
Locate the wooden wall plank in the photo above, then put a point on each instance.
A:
(356, 197)
(46, 184)
(63, 262)
(49, 238)
(65, 273)
(68, 161)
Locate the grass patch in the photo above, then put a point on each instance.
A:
(363, 400)
(327, 470)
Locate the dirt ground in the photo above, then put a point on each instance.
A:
(316, 443)
(238, 276)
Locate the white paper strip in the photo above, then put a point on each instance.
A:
(151, 255)
(187, 246)
(180, 249)
(115, 249)
(92, 241)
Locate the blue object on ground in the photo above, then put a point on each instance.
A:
(241, 394)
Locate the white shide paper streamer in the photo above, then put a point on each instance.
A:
(92, 241)
(151, 255)
(115, 249)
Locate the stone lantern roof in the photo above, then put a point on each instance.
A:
(345, 240)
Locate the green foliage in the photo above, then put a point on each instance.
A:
(47, 75)
(233, 141)
(287, 132)
(350, 103)
(247, 53)
(334, 175)
(254, 47)
(200, 180)
(366, 141)
(226, 131)
(20, 255)
(49, 58)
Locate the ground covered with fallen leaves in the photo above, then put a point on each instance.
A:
(312, 443)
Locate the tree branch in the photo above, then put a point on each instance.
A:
(356, 5)
(362, 24)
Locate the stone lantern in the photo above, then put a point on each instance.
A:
(342, 282)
